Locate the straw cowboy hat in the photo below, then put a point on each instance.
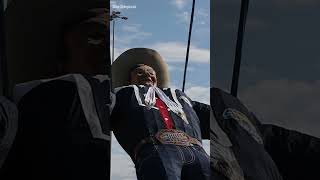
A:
(34, 34)
(122, 66)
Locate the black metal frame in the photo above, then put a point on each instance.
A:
(238, 53)
(4, 81)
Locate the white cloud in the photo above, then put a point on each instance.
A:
(183, 17)
(201, 24)
(174, 67)
(204, 13)
(199, 93)
(122, 167)
(290, 104)
(180, 4)
(206, 146)
(129, 38)
(131, 33)
(201, 17)
(176, 52)
(173, 52)
(131, 27)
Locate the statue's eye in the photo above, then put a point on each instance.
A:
(139, 73)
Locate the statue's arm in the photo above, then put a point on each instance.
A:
(203, 113)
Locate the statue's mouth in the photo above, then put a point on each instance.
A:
(147, 81)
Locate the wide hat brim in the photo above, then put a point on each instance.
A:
(122, 66)
(33, 33)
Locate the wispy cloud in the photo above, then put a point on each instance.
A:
(201, 16)
(122, 167)
(179, 4)
(174, 67)
(206, 146)
(199, 93)
(128, 39)
(130, 33)
(176, 52)
(201, 23)
(203, 13)
(183, 17)
(131, 28)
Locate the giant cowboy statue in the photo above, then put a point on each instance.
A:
(58, 64)
(242, 148)
(160, 128)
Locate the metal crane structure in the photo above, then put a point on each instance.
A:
(115, 15)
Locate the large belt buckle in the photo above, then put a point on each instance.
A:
(172, 136)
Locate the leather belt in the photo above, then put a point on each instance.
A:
(168, 136)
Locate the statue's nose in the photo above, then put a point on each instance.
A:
(146, 74)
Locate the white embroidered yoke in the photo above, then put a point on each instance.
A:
(150, 101)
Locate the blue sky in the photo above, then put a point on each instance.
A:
(163, 26)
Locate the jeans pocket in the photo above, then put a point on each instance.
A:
(186, 154)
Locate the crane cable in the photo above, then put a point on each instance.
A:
(188, 47)
(237, 61)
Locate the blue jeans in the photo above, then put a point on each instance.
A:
(171, 162)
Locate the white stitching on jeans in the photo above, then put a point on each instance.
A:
(181, 154)
(192, 157)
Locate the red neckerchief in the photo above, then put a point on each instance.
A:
(164, 113)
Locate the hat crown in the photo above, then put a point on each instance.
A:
(126, 61)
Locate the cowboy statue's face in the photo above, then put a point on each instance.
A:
(143, 75)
